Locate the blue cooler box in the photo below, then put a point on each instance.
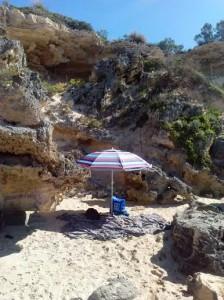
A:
(119, 205)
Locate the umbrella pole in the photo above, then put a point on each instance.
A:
(112, 191)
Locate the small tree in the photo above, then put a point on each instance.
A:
(38, 4)
(103, 34)
(169, 46)
(219, 31)
(206, 36)
(135, 37)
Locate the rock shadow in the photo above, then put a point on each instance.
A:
(10, 236)
(165, 260)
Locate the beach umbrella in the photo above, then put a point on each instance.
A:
(113, 160)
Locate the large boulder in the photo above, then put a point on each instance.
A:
(206, 286)
(198, 239)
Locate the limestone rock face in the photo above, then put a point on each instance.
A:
(33, 173)
(12, 54)
(52, 46)
(206, 286)
(198, 239)
(203, 181)
(20, 89)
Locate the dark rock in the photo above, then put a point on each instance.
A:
(14, 217)
(115, 289)
(217, 151)
(8, 236)
(198, 236)
(92, 214)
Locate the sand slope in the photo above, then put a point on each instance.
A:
(52, 266)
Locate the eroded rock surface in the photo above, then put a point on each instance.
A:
(51, 46)
(198, 239)
(32, 171)
(155, 186)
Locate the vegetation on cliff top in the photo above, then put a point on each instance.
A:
(210, 34)
(71, 23)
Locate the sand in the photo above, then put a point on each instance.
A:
(41, 263)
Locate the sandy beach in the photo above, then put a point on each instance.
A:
(40, 262)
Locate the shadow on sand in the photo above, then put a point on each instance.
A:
(10, 235)
(74, 223)
(165, 260)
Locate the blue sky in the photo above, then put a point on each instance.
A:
(156, 19)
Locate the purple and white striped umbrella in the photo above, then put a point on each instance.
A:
(113, 160)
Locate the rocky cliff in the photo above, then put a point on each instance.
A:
(52, 47)
(163, 109)
(33, 172)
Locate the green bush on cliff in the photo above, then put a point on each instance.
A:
(54, 88)
(75, 82)
(7, 75)
(195, 135)
(153, 64)
(60, 87)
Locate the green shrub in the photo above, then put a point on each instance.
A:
(153, 64)
(195, 135)
(74, 82)
(54, 88)
(60, 87)
(6, 75)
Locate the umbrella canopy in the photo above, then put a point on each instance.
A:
(113, 160)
